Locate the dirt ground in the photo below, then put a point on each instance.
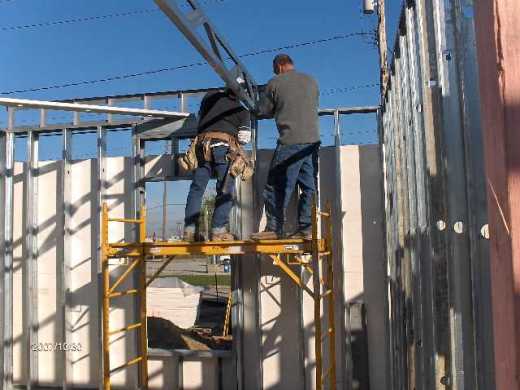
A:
(204, 336)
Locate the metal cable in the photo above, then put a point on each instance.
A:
(76, 20)
(186, 66)
(92, 18)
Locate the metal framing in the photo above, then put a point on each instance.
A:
(31, 250)
(64, 282)
(90, 108)
(214, 48)
(100, 128)
(7, 285)
(435, 203)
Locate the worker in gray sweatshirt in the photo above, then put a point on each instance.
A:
(292, 99)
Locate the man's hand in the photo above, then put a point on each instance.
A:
(244, 136)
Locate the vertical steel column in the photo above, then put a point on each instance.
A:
(167, 149)
(436, 213)
(412, 301)
(140, 276)
(138, 164)
(143, 334)
(31, 257)
(468, 68)
(343, 331)
(422, 275)
(462, 347)
(237, 320)
(97, 226)
(390, 212)
(7, 318)
(64, 277)
(43, 117)
(247, 306)
(3, 175)
(401, 214)
(395, 259)
(316, 288)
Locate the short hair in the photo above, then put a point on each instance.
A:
(282, 59)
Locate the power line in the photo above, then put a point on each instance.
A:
(77, 20)
(186, 66)
(52, 23)
(333, 91)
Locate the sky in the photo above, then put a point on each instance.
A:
(49, 43)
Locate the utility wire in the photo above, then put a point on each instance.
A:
(333, 91)
(76, 20)
(51, 23)
(186, 66)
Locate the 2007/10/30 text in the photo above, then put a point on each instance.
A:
(50, 347)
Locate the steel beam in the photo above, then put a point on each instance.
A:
(188, 23)
(31, 250)
(3, 139)
(348, 110)
(66, 264)
(100, 198)
(7, 318)
(45, 127)
(78, 107)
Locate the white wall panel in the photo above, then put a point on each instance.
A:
(284, 338)
(84, 299)
(49, 236)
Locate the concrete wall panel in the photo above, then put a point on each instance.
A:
(162, 373)
(50, 209)
(278, 331)
(84, 299)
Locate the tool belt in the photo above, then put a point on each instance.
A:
(240, 165)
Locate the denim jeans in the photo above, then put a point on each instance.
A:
(291, 166)
(224, 199)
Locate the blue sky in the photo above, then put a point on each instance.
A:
(145, 40)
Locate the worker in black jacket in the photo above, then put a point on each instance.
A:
(223, 125)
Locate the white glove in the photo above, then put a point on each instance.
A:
(244, 136)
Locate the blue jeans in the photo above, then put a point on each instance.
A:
(224, 199)
(291, 165)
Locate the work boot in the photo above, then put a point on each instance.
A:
(188, 235)
(302, 234)
(221, 234)
(265, 235)
(224, 236)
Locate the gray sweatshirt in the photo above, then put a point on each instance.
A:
(292, 98)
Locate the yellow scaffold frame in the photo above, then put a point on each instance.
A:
(285, 254)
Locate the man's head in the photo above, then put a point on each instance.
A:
(282, 63)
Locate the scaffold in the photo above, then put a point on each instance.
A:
(314, 256)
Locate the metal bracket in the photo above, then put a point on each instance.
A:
(211, 46)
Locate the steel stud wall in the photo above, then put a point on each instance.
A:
(437, 249)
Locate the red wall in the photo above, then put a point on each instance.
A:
(498, 41)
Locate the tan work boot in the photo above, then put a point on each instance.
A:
(224, 236)
(188, 236)
(302, 235)
(265, 235)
